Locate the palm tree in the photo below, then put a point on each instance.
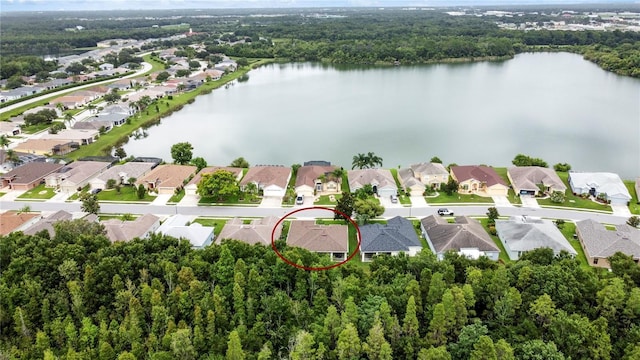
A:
(373, 160)
(91, 108)
(4, 141)
(13, 157)
(181, 87)
(337, 174)
(68, 118)
(359, 161)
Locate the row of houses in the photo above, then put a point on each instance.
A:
(465, 236)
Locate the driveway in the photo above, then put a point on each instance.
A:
(271, 202)
(529, 202)
(189, 200)
(502, 201)
(418, 201)
(621, 210)
(386, 202)
(161, 199)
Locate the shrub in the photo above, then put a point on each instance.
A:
(111, 183)
(557, 197)
(562, 167)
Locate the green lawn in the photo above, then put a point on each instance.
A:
(39, 192)
(568, 229)
(177, 197)
(2, 194)
(443, 198)
(217, 224)
(634, 207)
(234, 200)
(573, 201)
(503, 253)
(353, 245)
(345, 183)
(127, 193)
(32, 129)
(155, 64)
(324, 200)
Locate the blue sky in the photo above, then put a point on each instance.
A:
(52, 5)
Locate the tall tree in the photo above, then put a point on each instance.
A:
(182, 153)
(484, 349)
(344, 205)
(239, 163)
(349, 346)
(376, 347)
(221, 184)
(303, 347)
(234, 347)
(90, 203)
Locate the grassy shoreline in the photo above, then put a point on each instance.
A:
(153, 114)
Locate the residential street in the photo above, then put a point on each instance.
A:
(232, 211)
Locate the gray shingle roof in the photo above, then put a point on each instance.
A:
(397, 235)
(600, 242)
(464, 233)
(522, 233)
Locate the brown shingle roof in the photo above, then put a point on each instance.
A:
(118, 230)
(10, 220)
(267, 175)
(528, 177)
(167, 176)
(481, 173)
(307, 175)
(320, 238)
(30, 172)
(258, 232)
(464, 233)
(212, 169)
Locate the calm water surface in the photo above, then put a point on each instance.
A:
(555, 106)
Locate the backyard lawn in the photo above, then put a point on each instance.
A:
(217, 224)
(38, 193)
(568, 229)
(503, 253)
(127, 193)
(634, 207)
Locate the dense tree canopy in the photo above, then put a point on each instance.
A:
(76, 293)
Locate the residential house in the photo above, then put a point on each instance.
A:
(192, 187)
(28, 176)
(257, 231)
(466, 237)
(75, 175)
(324, 239)
(47, 147)
(93, 124)
(56, 83)
(17, 93)
(608, 185)
(430, 174)
(37, 109)
(141, 227)
(272, 180)
(520, 234)
(479, 180)
(82, 137)
(122, 84)
(71, 101)
(599, 243)
(312, 180)
(46, 223)
(167, 179)
(106, 66)
(214, 74)
(7, 128)
(383, 183)
(181, 227)
(121, 174)
(226, 65)
(396, 236)
(534, 180)
(11, 221)
(410, 183)
(114, 119)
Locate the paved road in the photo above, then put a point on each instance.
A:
(231, 211)
(145, 67)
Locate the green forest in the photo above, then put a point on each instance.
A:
(345, 36)
(77, 296)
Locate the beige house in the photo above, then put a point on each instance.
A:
(141, 227)
(257, 231)
(383, 183)
(326, 239)
(316, 180)
(75, 175)
(534, 180)
(272, 180)
(14, 221)
(166, 179)
(80, 136)
(121, 174)
(409, 182)
(599, 243)
(430, 174)
(29, 175)
(47, 147)
(192, 187)
(479, 180)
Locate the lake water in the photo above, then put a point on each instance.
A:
(555, 106)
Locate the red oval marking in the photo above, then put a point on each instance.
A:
(311, 268)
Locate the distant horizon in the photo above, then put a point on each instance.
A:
(106, 5)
